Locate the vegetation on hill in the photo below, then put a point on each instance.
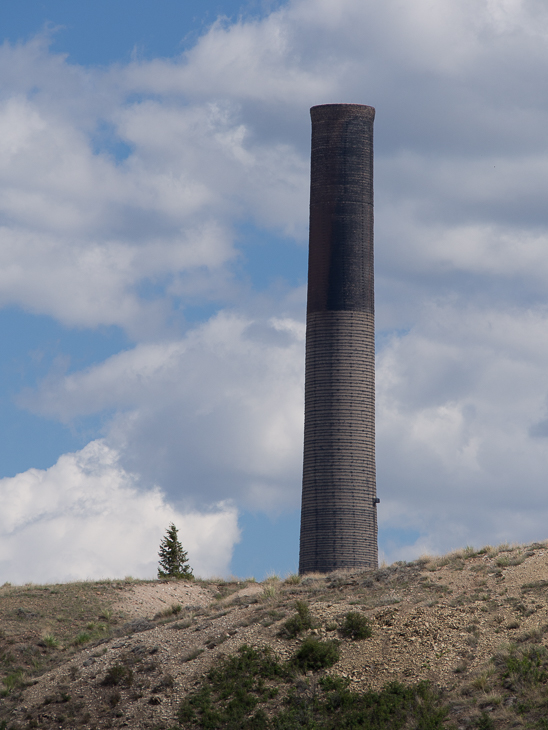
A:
(254, 690)
(173, 561)
(459, 641)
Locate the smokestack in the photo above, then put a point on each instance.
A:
(339, 502)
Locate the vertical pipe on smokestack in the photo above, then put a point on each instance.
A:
(339, 510)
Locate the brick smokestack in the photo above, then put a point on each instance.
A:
(339, 504)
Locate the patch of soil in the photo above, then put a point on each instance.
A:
(148, 599)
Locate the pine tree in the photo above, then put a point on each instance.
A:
(173, 559)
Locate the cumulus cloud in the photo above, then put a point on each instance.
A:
(216, 415)
(138, 174)
(461, 403)
(86, 517)
(95, 206)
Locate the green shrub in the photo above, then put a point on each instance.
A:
(82, 638)
(270, 591)
(298, 623)
(356, 626)
(293, 579)
(522, 671)
(50, 641)
(525, 667)
(173, 610)
(243, 693)
(118, 674)
(315, 654)
(13, 680)
(485, 722)
(335, 706)
(232, 691)
(506, 561)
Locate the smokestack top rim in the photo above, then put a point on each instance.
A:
(341, 110)
(342, 103)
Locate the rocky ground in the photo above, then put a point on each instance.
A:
(126, 653)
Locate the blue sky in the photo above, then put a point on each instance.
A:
(153, 230)
(102, 32)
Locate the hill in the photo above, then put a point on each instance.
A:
(448, 642)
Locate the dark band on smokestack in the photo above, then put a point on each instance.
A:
(339, 516)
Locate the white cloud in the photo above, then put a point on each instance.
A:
(210, 417)
(458, 400)
(86, 517)
(83, 226)
(257, 61)
(220, 135)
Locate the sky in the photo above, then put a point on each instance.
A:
(154, 180)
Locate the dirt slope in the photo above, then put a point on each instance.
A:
(436, 619)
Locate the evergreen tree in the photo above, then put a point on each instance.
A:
(173, 559)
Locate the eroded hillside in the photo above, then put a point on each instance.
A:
(473, 625)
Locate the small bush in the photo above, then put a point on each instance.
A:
(534, 636)
(193, 655)
(166, 682)
(437, 563)
(178, 625)
(483, 681)
(14, 680)
(173, 610)
(356, 626)
(485, 722)
(529, 666)
(293, 579)
(82, 638)
(315, 654)
(114, 698)
(270, 591)
(118, 674)
(506, 561)
(50, 641)
(298, 623)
